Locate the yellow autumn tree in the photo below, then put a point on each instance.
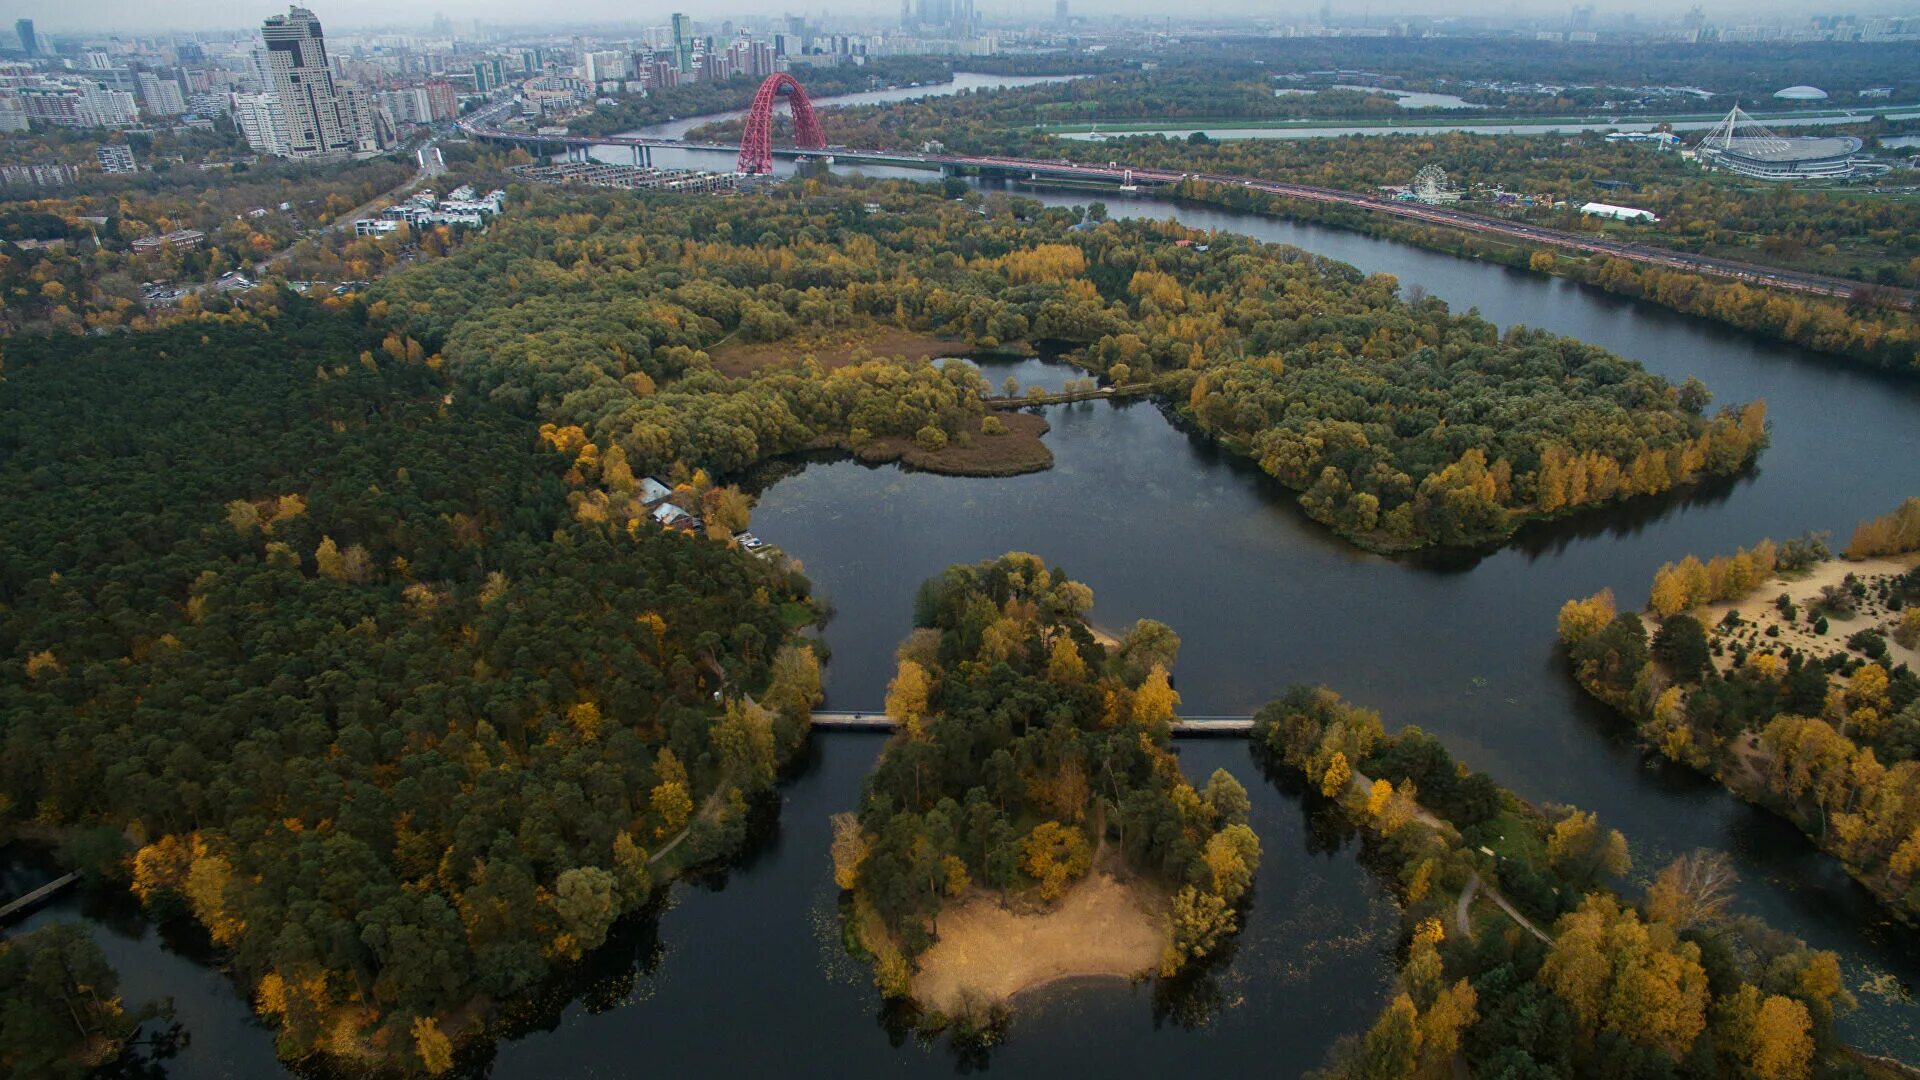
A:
(850, 847)
(1055, 855)
(1337, 776)
(433, 1046)
(1581, 619)
(670, 799)
(1064, 664)
(1156, 699)
(585, 719)
(328, 561)
(1782, 1047)
(907, 693)
(1635, 979)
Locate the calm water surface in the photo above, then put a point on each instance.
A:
(1162, 526)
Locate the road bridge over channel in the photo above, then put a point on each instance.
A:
(1187, 727)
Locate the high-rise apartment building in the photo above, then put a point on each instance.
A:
(262, 121)
(161, 96)
(604, 66)
(683, 43)
(440, 96)
(29, 41)
(319, 116)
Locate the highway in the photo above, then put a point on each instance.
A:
(1121, 175)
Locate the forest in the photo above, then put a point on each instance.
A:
(326, 660)
(1825, 735)
(1030, 755)
(1402, 424)
(1577, 979)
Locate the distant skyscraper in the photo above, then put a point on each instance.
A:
(29, 42)
(1060, 13)
(318, 117)
(682, 43)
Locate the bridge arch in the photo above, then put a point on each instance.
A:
(756, 142)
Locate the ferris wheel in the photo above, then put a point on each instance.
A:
(1430, 183)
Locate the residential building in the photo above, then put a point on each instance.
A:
(440, 97)
(409, 106)
(320, 116)
(37, 175)
(161, 96)
(263, 122)
(115, 158)
(683, 43)
(604, 66)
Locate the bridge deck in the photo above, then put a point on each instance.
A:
(1183, 727)
(21, 904)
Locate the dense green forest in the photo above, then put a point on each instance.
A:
(1402, 423)
(1030, 755)
(1581, 981)
(1827, 736)
(61, 1015)
(315, 647)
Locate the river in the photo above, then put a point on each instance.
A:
(961, 83)
(1163, 526)
(1334, 129)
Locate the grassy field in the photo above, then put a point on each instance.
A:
(833, 349)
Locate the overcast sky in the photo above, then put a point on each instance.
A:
(141, 16)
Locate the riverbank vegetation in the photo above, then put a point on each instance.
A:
(1790, 678)
(1520, 958)
(1850, 234)
(1032, 792)
(336, 660)
(61, 1015)
(1403, 424)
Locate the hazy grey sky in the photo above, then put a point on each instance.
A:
(140, 16)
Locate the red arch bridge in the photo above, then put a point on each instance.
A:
(756, 154)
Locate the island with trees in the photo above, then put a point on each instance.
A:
(1029, 821)
(1791, 677)
(1402, 424)
(1520, 958)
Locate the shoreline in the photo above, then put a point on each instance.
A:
(989, 954)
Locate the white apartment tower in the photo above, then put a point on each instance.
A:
(261, 120)
(319, 116)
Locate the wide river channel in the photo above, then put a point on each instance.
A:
(747, 975)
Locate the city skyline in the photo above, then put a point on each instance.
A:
(125, 17)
